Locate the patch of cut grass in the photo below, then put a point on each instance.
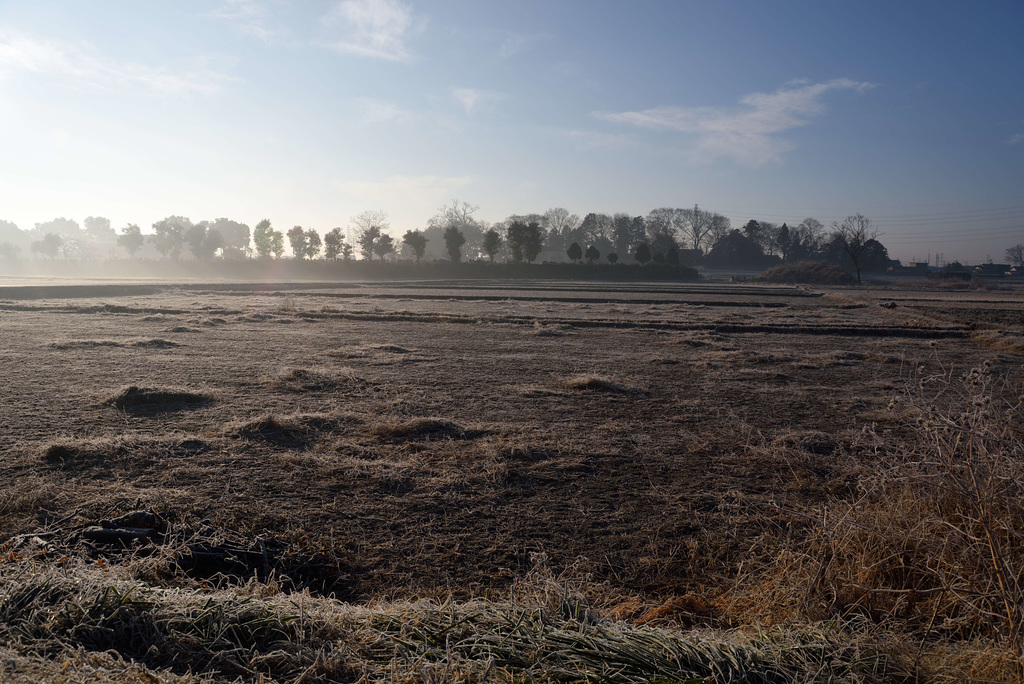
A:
(255, 633)
(83, 452)
(552, 330)
(364, 351)
(157, 398)
(152, 343)
(535, 391)
(597, 383)
(420, 429)
(1005, 342)
(294, 431)
(314, 380)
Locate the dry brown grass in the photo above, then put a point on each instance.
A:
(83, 452)
(292, 431)
(808, 273)
(931, 545)
(598, 383)
(106, 627)
(157, 398)
(1002, 341)
(315, 379)
(420, 429)
(150, 343)
(697, 502)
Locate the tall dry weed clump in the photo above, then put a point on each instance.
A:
(933, 544)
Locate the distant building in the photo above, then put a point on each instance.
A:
(914, 268)
(993, 270)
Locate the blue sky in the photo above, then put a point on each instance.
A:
(311, 112)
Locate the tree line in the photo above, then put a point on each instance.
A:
(688, 236)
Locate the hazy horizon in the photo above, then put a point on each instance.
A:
(309, 114)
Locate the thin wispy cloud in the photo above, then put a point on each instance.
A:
(373, 110)
(473, 100)
(517, 43)
(371, 28)
(750, 134)
(79, 65)
(593, 140)
(251, 17)
(1015, 139)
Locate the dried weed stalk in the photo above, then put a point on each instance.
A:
(933, 545)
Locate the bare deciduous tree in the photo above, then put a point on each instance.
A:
(1015, 255)
(561, 227)
(693, 224)
(370, 225)
(853, 236)
(720, 227)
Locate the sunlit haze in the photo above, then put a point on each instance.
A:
(308, 113)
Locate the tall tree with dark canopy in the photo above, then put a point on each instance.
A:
(453, 241)
(367, 239)
(416, 241)
(313, 243)
(169, 235)
(333, 242)
(492, 243)
(235, 237)
(49, 245)
(277, 243)
(643, 253)
(638, 229)
(672, 256)
(131, 239)
(98, 228)
(385, 245)
(297, 241)
(738, 250)
(784, 242)
(202, 240)
(575, 252)
(263, 238)
(525, 240)
(592, 254)
(622, 232)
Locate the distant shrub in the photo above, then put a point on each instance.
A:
(808, 273)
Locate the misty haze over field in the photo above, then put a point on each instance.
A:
(311, 113)
(544, 341)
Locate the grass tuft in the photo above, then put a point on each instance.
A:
(313, 380)
(1002, 341)
(419, 429)
(596, 383)
(245, 634)
(133, 397)
(83, 452)
(295, 431)
(154, 343)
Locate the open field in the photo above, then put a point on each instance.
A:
(650, 452)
